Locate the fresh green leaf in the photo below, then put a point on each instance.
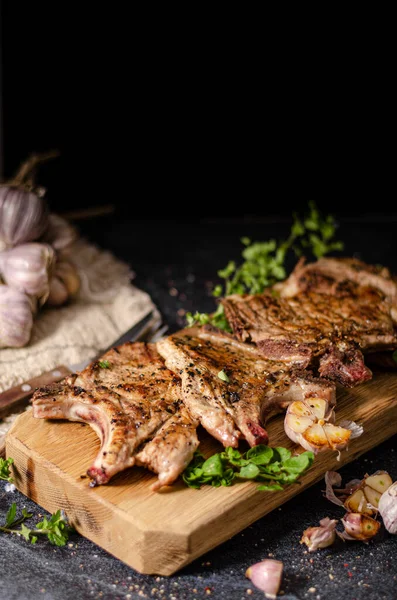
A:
(25, 532)
(5, 473)
(273, 487)
(283, 454)
(264, 262)
(10, 517)
(250, 471)
(218, 290)
(298, 464)
(260, 455)
(104, 364)
(228, 270)
(213, 466)
(222, 375)
(26, 514)
(273, 466)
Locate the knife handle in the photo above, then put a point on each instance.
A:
(17, 395)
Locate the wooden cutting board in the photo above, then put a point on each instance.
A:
(158, 533)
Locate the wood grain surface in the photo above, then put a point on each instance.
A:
(158, 533)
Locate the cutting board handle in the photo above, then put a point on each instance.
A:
(17, 395)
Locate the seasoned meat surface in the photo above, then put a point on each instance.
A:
(128, 397)
(331, 275)
(230, 387)
(325, 314)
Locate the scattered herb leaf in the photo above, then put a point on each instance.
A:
(264, 262)
(104, 364)
(222, 375)
(56, 528)
(5, 473)
(275, 466)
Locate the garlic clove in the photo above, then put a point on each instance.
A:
(338, 437)
(357, 503)
(23, 216)
(316, 436)
(299, 409)
(266, 576)
(16, 317)
(58, 293)
(64, 284)
(360, 527)
(318, 407)
(320, 537)
(28, 268)
(298, 424)
(379, 481)
(372, 496)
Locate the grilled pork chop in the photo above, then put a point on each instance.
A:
(330, 275)
(230, 388)
(128, 398)
(329, 331)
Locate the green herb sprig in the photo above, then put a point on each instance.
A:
(273, 468)
(104, 364)
(56, 528)
(264, 262)
(5, 473)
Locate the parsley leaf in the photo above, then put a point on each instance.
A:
(274, 466)
(222, 375)
(5, 473)
(264, 262)
(56, 528)
(104, 364)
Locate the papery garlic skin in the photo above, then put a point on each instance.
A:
(320, 537)
(28, 268)
(23, 216)
(60, 234)
(64, 284)
(388, 508)
(16, 317)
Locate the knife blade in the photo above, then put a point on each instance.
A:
(13, 398)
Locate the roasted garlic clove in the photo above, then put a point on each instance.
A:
(358, 503)
(360, 527)
(379, 481)
(310, 423)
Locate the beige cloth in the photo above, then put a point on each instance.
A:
(107, 306)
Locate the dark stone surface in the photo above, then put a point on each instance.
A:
(177, 264)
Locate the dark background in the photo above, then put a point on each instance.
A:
(173, 122)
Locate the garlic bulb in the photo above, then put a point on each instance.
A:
(388, 508)
(23, 216)
(16, 317)
(60, 234)
(28, 268)
(309, 423)
(65, 283)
